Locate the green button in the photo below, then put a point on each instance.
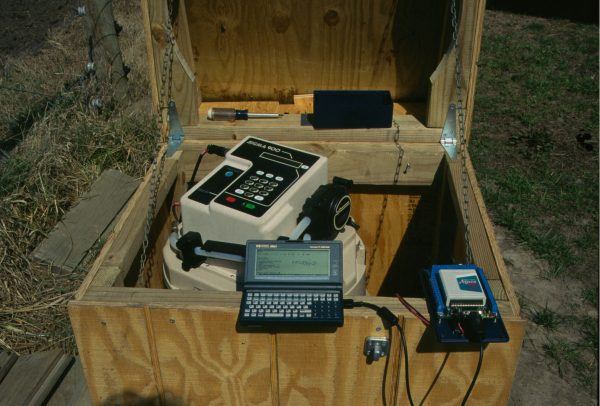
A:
(249, 206)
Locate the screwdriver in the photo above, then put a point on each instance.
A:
(222, 114)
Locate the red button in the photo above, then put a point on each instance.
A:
(230, 199)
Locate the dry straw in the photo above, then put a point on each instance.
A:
(54, 148)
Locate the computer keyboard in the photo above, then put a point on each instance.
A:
(280, 307)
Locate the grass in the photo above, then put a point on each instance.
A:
(546, 317)
(535, 149)
(590, 296)
(537, 93)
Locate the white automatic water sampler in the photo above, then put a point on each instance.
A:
(261, 190)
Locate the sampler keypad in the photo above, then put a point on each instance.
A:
(273, 170)
(257, 189)
(293, 306)
(259, 186)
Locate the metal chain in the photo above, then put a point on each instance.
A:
(462, 136)
(385, 203)
(158, 161)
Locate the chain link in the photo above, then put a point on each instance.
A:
(158, 161)
(385, 203)
(462, 136)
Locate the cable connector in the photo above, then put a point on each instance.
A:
(216, 150)
(474, 327)
(388, 316)
(383, 312)
(210, 149)
(349, 303)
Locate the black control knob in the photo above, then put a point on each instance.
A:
(329, 210)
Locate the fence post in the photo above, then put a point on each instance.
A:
(104, 43)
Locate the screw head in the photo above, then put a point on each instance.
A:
(90, 67)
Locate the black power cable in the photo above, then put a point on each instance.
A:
(210, 149)
(464, 402)
(403, 338)
(387, 315)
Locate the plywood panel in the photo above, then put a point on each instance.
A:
(204, 361)
(115, 351)
(443, 79)
(330, 369)
(381, 250)
(290, 128)
(486, 253)
(440, 375)
(272, 50)
(183, 84)
(363, 162)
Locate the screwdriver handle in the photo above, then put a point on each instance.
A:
(223, 114)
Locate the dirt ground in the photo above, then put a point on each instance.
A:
(537, 381)
(24, 24)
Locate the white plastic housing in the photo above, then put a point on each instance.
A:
(221, 275)
(462, 286)
(218, 222)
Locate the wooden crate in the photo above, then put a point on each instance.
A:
(181, 347)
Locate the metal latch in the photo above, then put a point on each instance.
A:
(175, 131)
(375, 348)
(448, 139)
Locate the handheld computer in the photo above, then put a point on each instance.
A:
(292, 282)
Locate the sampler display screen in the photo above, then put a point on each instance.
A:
(278, 262)
(295, 263)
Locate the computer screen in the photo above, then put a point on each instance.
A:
(274, 262)
(295, 263)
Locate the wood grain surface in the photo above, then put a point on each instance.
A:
(183, 79)
(441, 374)
(121, 247)
(115, 352)
(73, 389)
(443, 79)
(33, 377)
(69, 242)
(204, 361)
(363, 162)
(331, 369)
(290, 128)
(273, 50)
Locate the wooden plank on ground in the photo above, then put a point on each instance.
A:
(7, 361)
(33, 377)
(73, 389)
(123, 244)
(69, 242)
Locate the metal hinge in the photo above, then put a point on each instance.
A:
(175, 131)
(448, 139)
